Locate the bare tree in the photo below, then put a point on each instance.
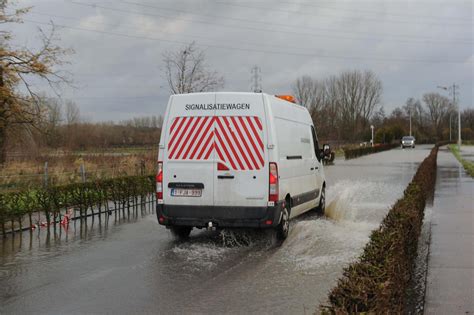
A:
(310, 93)
(341, 104)
(71, 113)
(467, 118)
(371, 95)
(303, 90)
(378, 117)
(438, 109)
(52, 121)
(186, 71)
(17, 67)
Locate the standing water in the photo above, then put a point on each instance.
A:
(138, 267)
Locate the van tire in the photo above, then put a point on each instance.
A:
(283, 227)
(321, 208)
(181, 232)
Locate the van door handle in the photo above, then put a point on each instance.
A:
(225, 176)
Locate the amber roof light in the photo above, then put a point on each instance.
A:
(288, 98)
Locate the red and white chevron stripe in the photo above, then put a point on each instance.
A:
(237, 140)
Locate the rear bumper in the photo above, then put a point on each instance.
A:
(220, 216)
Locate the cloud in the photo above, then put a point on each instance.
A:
(412, 46)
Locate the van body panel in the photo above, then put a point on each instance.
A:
(240, 145)
(299, 168)
(188, 156)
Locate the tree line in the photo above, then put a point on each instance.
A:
(344, 106)
(433, 118)
(62, 127)
(341, 105)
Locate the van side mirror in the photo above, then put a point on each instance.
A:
(326, 149)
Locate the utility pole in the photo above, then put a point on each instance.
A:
(372, 129)
(410, 120)
(256, 80)
(459, 116)
(450, 118)
(452, 89)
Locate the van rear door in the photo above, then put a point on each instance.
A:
(189, 156)
(241, 170)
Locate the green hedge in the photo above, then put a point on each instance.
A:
(15, 205)
(378, 280)
(353, 153)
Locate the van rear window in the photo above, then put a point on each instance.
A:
(235, 140)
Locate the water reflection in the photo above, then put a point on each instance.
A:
(84, 229)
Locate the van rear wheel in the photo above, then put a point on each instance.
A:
(181, 232)
(283, 227)
(321, 208)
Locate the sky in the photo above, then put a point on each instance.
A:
(117, 66)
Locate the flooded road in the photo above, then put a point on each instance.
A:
(137, 267)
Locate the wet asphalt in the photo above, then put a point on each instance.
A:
(135, 266)
(450, 277)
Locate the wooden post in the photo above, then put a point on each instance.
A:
(83, 173)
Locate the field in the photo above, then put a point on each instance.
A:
(62, 167)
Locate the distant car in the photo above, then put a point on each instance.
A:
(408, 141)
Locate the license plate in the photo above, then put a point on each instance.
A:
(180, 192)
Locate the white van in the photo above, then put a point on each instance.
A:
(237, 160)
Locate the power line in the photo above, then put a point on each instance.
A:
(251, 28)
(236, 48)
(182, 35)
(424, 39)
(405, 15)
(332, 16)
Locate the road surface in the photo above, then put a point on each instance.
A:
(450, 279)
(136, 267)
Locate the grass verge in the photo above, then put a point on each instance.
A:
(468, 165)
(378, 280)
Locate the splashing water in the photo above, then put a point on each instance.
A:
(355, 208)
(200, 255)
(241, 238)
(360, 200)
(206, 251)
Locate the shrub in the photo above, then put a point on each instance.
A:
(51, 200)
(353, 153)
(383, 135)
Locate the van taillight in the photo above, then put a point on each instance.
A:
(273, 182)
(159, 182)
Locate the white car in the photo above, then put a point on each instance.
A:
(408, 141)
(237, 160)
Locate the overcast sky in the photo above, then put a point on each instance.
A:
(117, 68)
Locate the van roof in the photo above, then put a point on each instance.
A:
(233, 93)
(221, 93)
